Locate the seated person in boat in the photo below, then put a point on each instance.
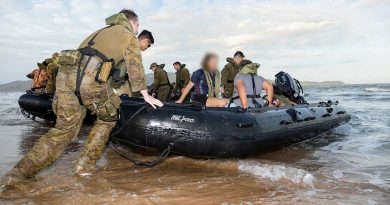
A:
(39, 77)
(207, 81)
(248, 86)
(279, 98)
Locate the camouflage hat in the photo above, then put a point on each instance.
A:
(153, 65)
(55, 55)
(250, 68)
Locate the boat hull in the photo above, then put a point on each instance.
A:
(222, 132)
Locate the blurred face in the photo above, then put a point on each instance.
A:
(238, 59)
(176, 66)
(154, 68)
(135, 25)
(144, 43)
(213, 64)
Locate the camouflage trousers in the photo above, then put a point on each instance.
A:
(98, 98)
(229, 88)
(50, 87)
(163, 93)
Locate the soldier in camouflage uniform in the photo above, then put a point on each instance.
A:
(77, 90)
(39, 77)
(161, 85)
(229, 72)
(145, 39)
(52, 70)
(182, 80)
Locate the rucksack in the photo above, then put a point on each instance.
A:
(290, 87)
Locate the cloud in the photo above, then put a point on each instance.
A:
(304, 37)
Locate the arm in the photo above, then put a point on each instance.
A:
(224, 75)
(185, 92)
(186, 77)
(136, 72)
(270, 91)
(242, 93)
(156, 82)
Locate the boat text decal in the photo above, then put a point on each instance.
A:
(182, 118)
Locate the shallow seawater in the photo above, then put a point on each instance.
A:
(348, 165)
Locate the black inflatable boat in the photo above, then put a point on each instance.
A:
(192, 130)
(37, 105)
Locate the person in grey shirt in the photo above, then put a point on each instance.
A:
(248, 87)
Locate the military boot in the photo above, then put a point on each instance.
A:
(15, 178)
(94, 147)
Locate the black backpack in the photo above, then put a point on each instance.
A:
(290, 87)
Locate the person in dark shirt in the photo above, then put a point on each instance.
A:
(206, 82)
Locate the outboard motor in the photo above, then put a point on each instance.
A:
(290, 87)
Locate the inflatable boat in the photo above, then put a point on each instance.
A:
(39, 105)
(196, 131)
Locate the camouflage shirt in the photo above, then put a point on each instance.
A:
(117, 43)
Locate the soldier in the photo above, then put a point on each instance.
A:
(161, 85)
(229, 72)
(39, 77)
(81, 85)
(182, 79)
(52, 70)
(145, 39)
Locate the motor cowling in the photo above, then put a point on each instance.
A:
(289, 87)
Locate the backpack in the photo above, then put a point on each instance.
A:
(290, 87)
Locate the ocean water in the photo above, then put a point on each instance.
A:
(348, 165)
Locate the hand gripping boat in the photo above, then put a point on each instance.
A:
(192, 130)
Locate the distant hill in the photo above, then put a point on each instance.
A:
(23, 85)
(324, 83)
(16, 86)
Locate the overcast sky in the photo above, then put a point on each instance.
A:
(312, 40)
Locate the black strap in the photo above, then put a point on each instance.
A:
(254, 101)
(230, 81)
(90, 52)
(164, 84)
(248, 96)
(79, 78)
(166, 74)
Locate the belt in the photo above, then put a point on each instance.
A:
(164, 84)
(248, 96)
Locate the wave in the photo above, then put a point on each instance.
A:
(275, 172)
(376, 89)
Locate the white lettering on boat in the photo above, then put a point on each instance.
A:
(182, 118)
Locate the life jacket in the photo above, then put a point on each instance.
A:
(250, 69)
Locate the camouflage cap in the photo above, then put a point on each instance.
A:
(153, 65)
(55, 55)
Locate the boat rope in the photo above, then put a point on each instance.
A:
(127, 156)
(33, 118)
(161, 157)
(128, 121)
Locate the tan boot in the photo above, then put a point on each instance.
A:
(94, 147)
(15, 178)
